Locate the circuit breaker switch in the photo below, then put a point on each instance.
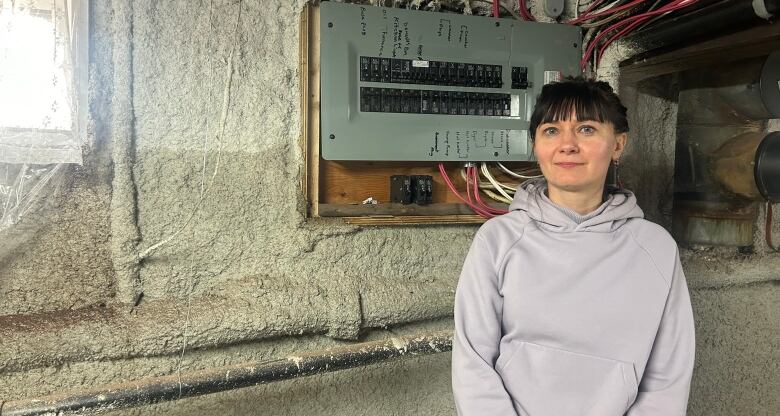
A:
(365, 99)
(401, 189)
(422, 189)
(365, 69)
(519, 77)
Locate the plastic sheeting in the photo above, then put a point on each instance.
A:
(21, 188)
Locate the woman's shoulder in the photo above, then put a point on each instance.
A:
(512, 222)
(657, 243)
(501, 232)
(648, 232)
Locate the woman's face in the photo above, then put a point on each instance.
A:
(574, 155)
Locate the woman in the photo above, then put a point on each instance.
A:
(572, 303)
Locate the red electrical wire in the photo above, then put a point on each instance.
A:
(474, 177)
(468, 191)
(524, 11)
(472, 182)
(486, 210)
(631, 22)
(495, 8)
(613, 10)
(589, 9)
(454, 190)
(485, 213)
(468, 186)
(617, 36)
(641, 19)
(595, 41)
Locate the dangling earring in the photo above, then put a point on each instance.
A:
(616, 166)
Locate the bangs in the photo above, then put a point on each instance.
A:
(584, 108)
(584, 99)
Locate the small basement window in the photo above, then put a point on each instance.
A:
(43, 77)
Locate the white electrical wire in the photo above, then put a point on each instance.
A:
(486, 185)
(493, 181)
(220, 140)
(581, 6)
(607, 7)
(496, 197)
(486, 172)
(514, 174)
(486, 188)
(505, 192)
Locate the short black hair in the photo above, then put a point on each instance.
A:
(588, 99)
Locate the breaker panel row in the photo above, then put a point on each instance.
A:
(392, 100)
(456, 74)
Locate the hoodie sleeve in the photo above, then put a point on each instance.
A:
(477, 387)
(666, 382)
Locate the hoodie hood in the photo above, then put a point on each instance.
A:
(619, 206)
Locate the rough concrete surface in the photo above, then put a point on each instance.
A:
(737, 351)
(64, 262)
(647, 166)
(194, 110)
(250, 218)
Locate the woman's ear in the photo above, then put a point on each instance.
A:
(620, 145)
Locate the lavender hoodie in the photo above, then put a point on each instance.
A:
(558, 314)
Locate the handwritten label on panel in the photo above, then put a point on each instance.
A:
(363, 23)
(445, 29)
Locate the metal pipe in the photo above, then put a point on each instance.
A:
(723, 17)
(767, 168)
(174, 387)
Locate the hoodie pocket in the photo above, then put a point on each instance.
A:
(546, 381)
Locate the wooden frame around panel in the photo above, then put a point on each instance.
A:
(340, 199)
(309, 81)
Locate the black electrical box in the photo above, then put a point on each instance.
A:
(408, 189)
(401, 189)
(422, 189)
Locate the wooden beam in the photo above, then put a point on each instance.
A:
(750, 43)
(351, 210)
(416, 220)
(309, 80)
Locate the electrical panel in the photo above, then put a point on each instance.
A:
(405, 85)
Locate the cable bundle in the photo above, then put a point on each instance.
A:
(494, 189)
(617, 10)
(625, 26)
